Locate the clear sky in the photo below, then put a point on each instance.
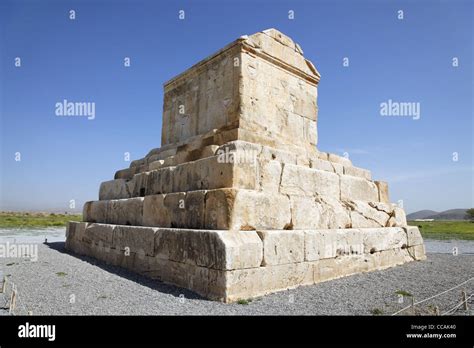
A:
(404, 60)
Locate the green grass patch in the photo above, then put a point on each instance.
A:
(376, 311)
(403, 293)
(36, 220)
(243, 301)
(61, 274)
(445, 229)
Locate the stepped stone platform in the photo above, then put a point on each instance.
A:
(239, 202)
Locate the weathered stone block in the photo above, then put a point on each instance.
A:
(382, 187)
(413, 235)
(354, 188)
(114, 189)
(298, 180)
(135, 239)
(281, 247)
(154, 211)
(222, 250)
(125, 211)
(95, 211)
(99, 233)
(355, 171)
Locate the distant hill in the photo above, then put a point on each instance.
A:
(422, 214)
(452, 214)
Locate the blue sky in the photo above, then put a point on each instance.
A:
(409, 60)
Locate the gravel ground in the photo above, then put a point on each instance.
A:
(49, 285)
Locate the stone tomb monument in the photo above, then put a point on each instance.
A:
(238, 202)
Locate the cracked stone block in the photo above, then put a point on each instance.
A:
(280, 247)
(413, 235)
(364, 215)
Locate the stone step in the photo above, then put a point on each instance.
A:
(237, 209)
(231, 265)
(203, 174)
(245, 165)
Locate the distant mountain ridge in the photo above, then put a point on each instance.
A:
(451, 214)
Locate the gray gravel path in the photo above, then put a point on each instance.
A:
(60, 283)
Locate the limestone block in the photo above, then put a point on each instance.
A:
(170, 161)
(297, 180)
(379, 239)
(154, 211)
(155, 183)
(74, 236)
(156, 165)
(320, 244)
(210, 173)
(306, 108)
(334, 268)
(244, 175)
(413, 235)
(222, 250)
(339, 159)
(364, 215)
(246, 210)
(330, 243)
(303, 160)
(127, 173)
(382, 187)
(320, 164)
(114, 189)
(354, 188)
(137, 186)
(201, 279)
(282, 156)
(195, 203)
(269, 175)
(252, 282)
(355, 171)
(125, 211)
(323, 155)
(165, 178)
(175, 205)
(281, 247)
(337, 168)
(136, 239)
(219, 208)
(305, 213)
(95, 211)
(248, 151)
(389, 258)
(138, 162)
(334, 214)
(399, 216)
(259, 210)
(99, 234)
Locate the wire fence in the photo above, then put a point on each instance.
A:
(464, 303)
(13, 303)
